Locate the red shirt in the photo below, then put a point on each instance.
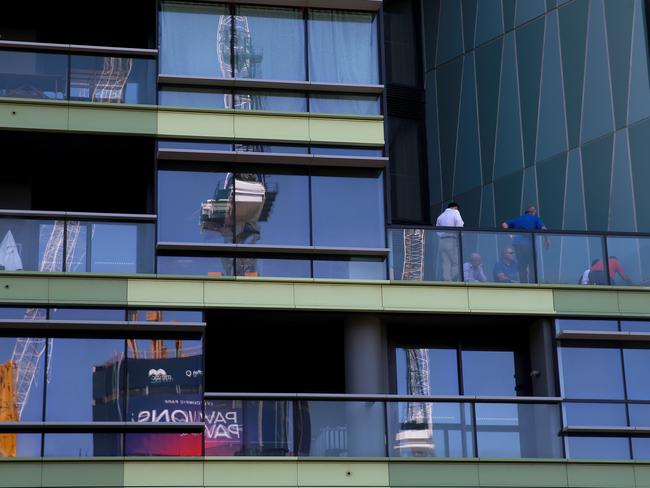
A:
(614, 267)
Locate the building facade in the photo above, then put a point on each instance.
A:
(218, 263)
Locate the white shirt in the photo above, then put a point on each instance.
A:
(449, 218)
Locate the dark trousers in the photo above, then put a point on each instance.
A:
(525, 262)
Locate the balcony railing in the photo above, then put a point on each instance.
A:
(76, 242)
(380, 426)
(507, 256)
(84, 74)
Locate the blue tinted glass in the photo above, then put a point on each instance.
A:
(597, 447)
(639, 415)
(82, 445)
(641, 448)
(347, 151)
(351, 269)
(441, 375)
(272, 209)
(195, 40)
(343, 47)
(27, 445)
(489, 373)
(637, 380)
(110, 247)
(9, 313)
(195, 266)
(194, 98)
(188, 444)
(272, 101)
(195, 206)
(629, 260)
(166, 315)
(91, 372)
(591, 373)
(280, 268)
(595, 414)
(16, 358)
(112, 80)
(417, 429)
(197, 146)
(253, 147)
(345, 104)
(26, 242)
(87, 314)
(333, 222)
(634, 326)
(269, 43)
(598, 325)
(33, 75)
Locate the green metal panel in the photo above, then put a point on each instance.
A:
(169, 292)
(163, 473)
(588, 301)
(642, 476)
(23, 289)
(113, 119)
(425, 298)
(271, 127)
(418, 473)
(185, 123)
(251, 472)
(346, 130)
(88, 290)
(343, 474)
(634, 302)
(230, 293)
(338, 296)
(83, 473)
(43, 116)
(14, 474)
(601, 475)
(517, 300)
(523, 475)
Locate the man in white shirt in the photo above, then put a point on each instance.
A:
(448, 242)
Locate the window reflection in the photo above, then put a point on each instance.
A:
(591, 373)
(597, 447)
(195, 98)
(350, 269)
(270, 100)
(345, 104)
(196, 266)
(82, 445)
(33, 75)
(431, 371)
(31, 245)
(20, 445)
(271, 267)
(165, 316)
(87, 314)
(489, 373)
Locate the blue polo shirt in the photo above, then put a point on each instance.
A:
(511, 270)
(525, 221)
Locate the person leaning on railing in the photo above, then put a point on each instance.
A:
(521, 243)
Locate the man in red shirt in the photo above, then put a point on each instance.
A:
(614, 266)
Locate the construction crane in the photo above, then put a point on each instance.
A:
(416, 432)
(109, 87)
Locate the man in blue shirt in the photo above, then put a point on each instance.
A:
(522, 242)
(505, 270)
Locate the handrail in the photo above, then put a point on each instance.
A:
(92, 427)
(76, 48)
(78, 215)
(520, 231)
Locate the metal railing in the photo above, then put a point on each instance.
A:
(508, 256)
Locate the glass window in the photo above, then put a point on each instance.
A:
(85, 380)
(637, 379)
(269, 43)
(33, 75)
(271, 101)
(639, 414)
(595, 414)
(223, 434)
(634, 326)
(439, 366)
(31, 245)
(641, 448)
(597, 447)
(112, 79)
(115, 314)
(430, 429)
(255, 147)
(195, 98)
(82, 445)
(340, 429)
(489, 373)
(629, 260)
(21, 445)
(195, 206)
(272, 209)
(194, 146)
(343, 47)
(165, 315)
(350, 269)
(196, 266)
(334, 224)
(345, 104)
(22, 362)
(267, 428)
(195, 40)
(591, 373)
(272, 267)
(110, 247)
(15, 313)
(347, 151)
(165, 379)
(504, 259)
(567, 259)
(588, 325)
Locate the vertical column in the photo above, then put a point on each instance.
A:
(366, 372)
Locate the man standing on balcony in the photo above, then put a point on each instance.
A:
(448, 242)
(522, 243)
